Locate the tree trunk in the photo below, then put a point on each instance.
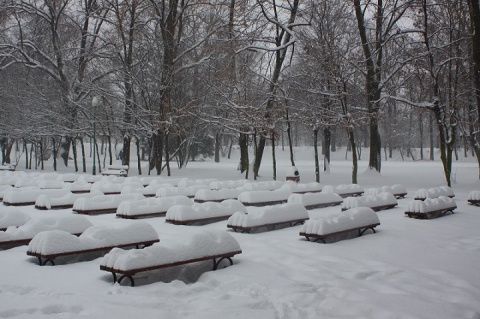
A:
(326, 152)
(274, 160)
(351, 138)
(289, 136)
(244, 160)
(139, 159)
(315, 149)
(217, 147)
(84, 160)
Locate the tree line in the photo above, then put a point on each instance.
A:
(181, 78)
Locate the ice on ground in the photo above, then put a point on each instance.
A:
(217, 195)
(312, 199)
(203, 244)
(74, 224)
(259, 216)
(264, 196)
(372, 201)
(349, 219)
(434, 192)
(204, 210)
(431, 205)
(104, 201)
(12, 216)
(151, 205)
(59, 241)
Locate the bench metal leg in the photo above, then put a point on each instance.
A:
(216, 263)
(132, 282)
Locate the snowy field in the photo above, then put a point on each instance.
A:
(410, 268)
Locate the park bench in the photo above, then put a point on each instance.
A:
(22, 235)
(339, 225)
(376, 202)
(49, 245)
(116, 170)
(215, 245)
(434, 192)
(397, 190)
(315, 200)
(203, 213)
(264, 197)
(8, 167)
(474, 198)
(102, 204)
(431, 207)
(268, 217)
(150, 207)
(10, 216)
(344, 190)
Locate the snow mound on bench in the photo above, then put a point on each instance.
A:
(264, 196)
(434, 192)
(262, 186)
(204, 210)
(59, 241)
(189, 191)
(431, 205)
(10, 216)
(73, 224)
(23, 195)
(151, 205)
(45, 201)
(197, 182)
(302, 188)
(343, 189)
(394, 189)
(200, 245)
(79, 186)
(349, 219)
(311, 199)
(268, 215)
(104, 201)
(474, 195)
(382, 199)
(217, 195)
(228, 184)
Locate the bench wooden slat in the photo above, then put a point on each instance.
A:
(250, 228)
(146, 215)
(20, 242)
(322, 205)
(198, 220)
(474, 202)
(377, 208)
(261, 204)
(428, 215)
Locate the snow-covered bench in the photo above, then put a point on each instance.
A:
(431, 207)
(78, 187)
(102, 204)
(189, 191)
(474, 198)
(216, 185)
(397, 190)
(45, 202)
(10, 216)
(208, 195)
(28, 196)
(213, 245)
(434, 192)
(344, 190)
(264, 197)
(3, 190)
(203, 213)
(268, 217)
(262, 186)
(15, 236)
(48, 245)
(8, 167)
(298, 188)
(150, 207)
(376, 202)
(116, 170)
(316, 200)
(339, 225)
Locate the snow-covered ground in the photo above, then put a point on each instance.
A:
(410, 268)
